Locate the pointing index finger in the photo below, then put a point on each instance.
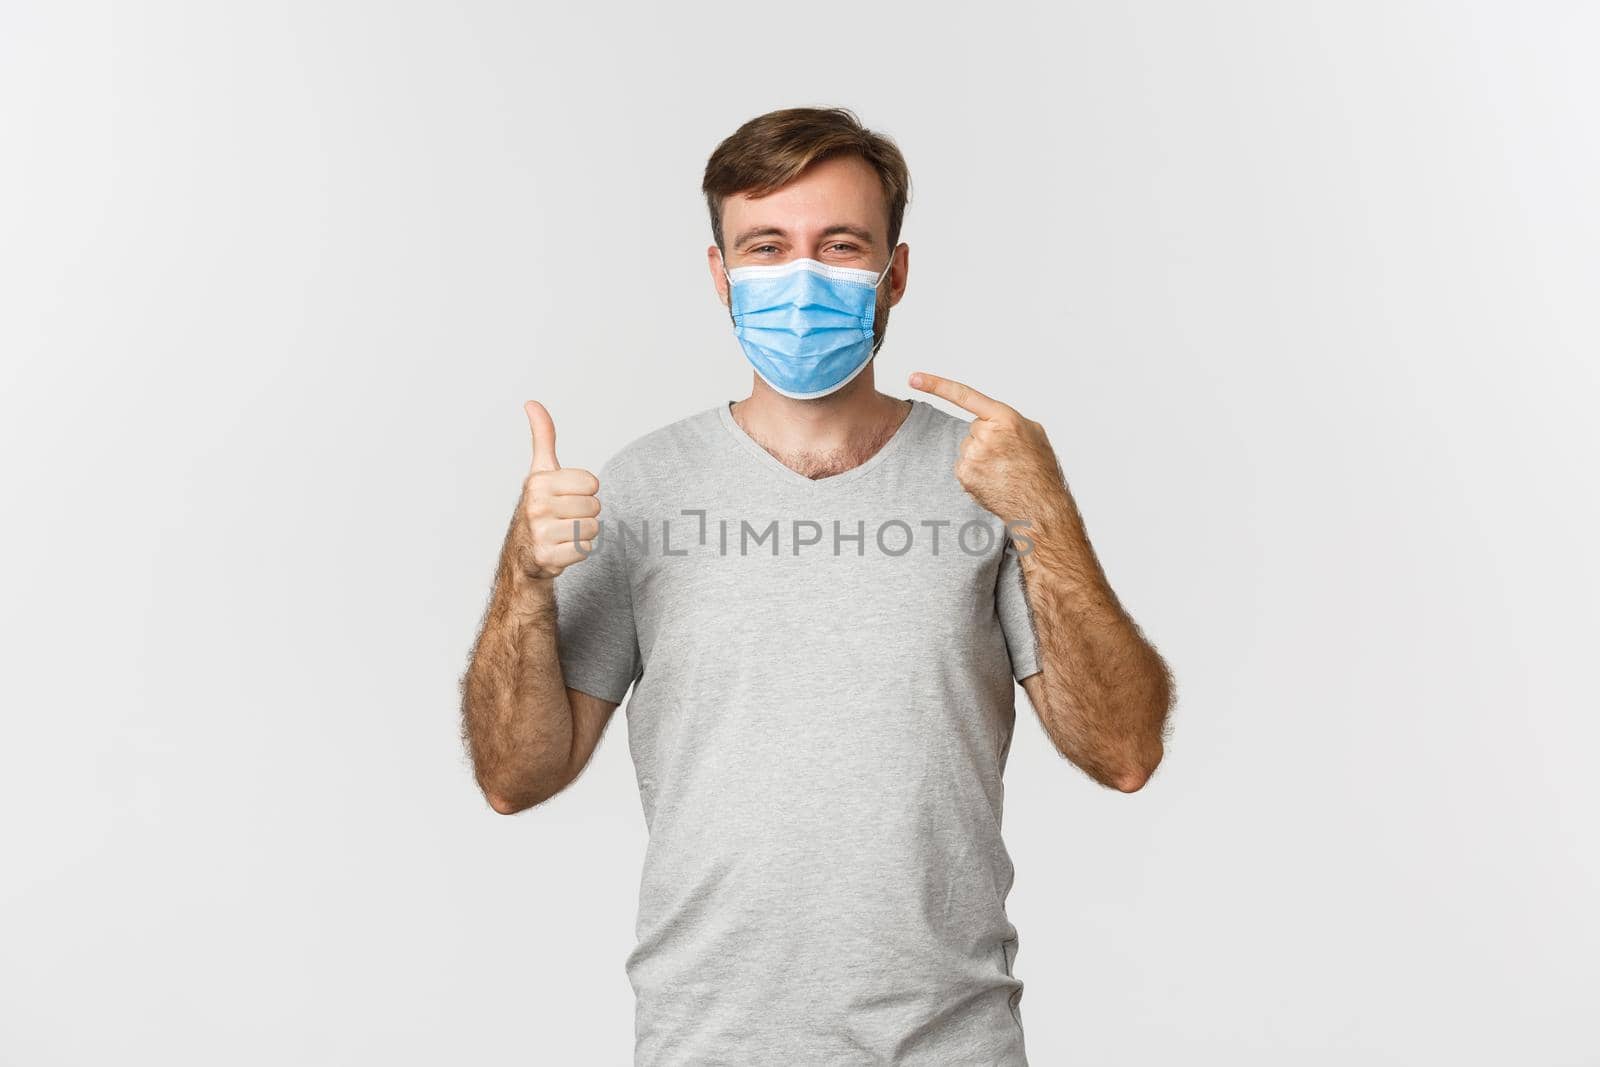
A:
(962, 396)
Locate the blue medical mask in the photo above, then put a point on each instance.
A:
(805, 326)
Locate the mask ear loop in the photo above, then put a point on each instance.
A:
(722, 261)
(887, 267)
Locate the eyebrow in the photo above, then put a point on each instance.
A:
(778, 231)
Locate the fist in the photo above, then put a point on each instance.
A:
(558, 508)
(1006, 462)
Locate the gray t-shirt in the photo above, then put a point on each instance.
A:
(821, 714)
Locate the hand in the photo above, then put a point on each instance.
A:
(558, 504)
(1006, 461)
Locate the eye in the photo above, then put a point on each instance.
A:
(845, 245)
(763, 248)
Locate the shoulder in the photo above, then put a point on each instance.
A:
(940, 429)
(661, 451)
(942, 421)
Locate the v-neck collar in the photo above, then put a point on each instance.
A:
(908, 426)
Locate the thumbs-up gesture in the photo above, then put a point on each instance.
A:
(1006, 461)
(558, 504)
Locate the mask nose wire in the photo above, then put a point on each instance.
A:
(723, 263)
(876, 344)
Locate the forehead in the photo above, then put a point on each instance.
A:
(844, 190)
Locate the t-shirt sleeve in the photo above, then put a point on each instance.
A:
(596, 638)
(1016, 619)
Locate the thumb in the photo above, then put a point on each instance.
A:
(544, 437)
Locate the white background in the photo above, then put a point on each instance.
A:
(1304, 294)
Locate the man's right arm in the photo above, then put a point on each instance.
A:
(528, 734)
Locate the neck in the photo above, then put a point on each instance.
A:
(823, 436)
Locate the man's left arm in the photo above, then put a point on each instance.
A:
(1102, 692)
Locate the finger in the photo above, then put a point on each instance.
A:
(573, 506)
(962, 396)
(572, 552)
(566, 555)
(566, 531)
(544, 437)
(573, 481)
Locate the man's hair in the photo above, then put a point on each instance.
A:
(771, 150)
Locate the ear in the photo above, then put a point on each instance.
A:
(901, 258)
(714, 261)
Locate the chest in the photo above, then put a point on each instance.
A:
(844, 584)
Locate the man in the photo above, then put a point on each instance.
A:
(820, 595)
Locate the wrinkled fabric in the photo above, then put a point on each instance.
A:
(823, 675)
(805, 326)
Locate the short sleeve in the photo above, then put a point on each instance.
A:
(1016, 618)
(596, 638)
